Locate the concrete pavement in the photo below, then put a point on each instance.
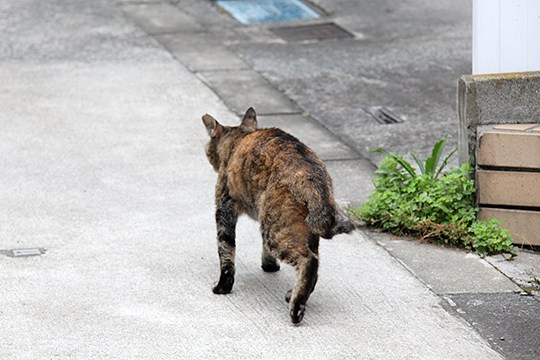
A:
(103, 165)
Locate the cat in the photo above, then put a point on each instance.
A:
(274, 178)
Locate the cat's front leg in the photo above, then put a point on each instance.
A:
(226, 217)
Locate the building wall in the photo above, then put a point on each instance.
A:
(506, 36)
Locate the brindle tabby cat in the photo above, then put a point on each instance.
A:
(274, 178)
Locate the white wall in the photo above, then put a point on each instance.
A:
(506, 36)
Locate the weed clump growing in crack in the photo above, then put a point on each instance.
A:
(432, 204)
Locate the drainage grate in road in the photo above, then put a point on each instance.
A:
(382, 115)
(311, 32)
(267, 11)
(24, 252)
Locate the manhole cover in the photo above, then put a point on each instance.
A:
(311, 32)
(267, 11)
(382, 115)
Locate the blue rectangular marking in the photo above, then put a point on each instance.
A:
(267, 11)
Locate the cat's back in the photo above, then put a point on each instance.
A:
(270, 155)
(271, 150)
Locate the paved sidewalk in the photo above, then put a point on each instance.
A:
(103, 165)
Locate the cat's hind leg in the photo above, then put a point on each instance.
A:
(293, 243)
(306, 278)
(302, 254)
(226, 218)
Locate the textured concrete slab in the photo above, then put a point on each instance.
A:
(523, 269)
(59, 31)
(325, 144)
(502, 98)
(448, 270)
(241, 89)
(201, 52)
(162, 17)
(510, 322)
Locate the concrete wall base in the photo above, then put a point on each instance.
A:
(505, 157)
(512, 98)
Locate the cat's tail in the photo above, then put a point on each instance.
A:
(324, 218)
(326, 221)
(312, 185)
(343, 224)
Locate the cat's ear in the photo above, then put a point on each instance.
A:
(250, 119)
(212, 126)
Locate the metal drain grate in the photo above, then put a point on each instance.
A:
(382, 115)
(267, 11)
(311, 32)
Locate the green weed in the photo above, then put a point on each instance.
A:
(431, 166)
(432, 204)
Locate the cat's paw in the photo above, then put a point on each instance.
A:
(297, 313)
(270, 267)
(288, 296)
(221, 290)
(223, 286)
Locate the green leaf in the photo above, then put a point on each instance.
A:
(436, 154)
(419, 162)
(401, 161)
(430, 167)
(445, 161)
